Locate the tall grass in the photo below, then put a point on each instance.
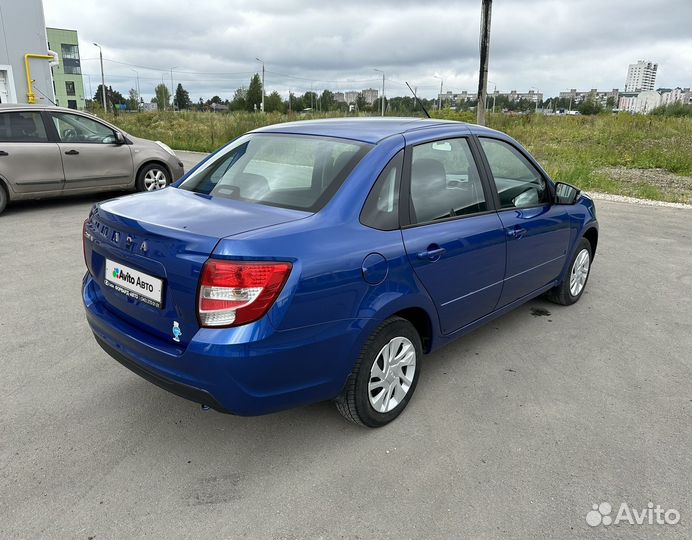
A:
(575, 149)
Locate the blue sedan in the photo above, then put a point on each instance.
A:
(321, 260)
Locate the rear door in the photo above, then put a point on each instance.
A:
(454, 239)
(90, 156)
(29, 162)
(537, 231)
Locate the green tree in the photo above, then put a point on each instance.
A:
(133, 100)
(238, 103)
(361, 104)
(309, 100)
(113, 97)
(182, 98)
(253, 96)
(327, 101)
(274, 102)
(163, 95)
(590, 106)
(610, 102)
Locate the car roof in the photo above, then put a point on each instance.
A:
(36, 106)
(369, 130)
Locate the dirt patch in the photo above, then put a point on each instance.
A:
(679, 187)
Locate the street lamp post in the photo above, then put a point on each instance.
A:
(173, 90)
(494, 94)
(262, 62)
(439, 98)
(138, 94)
(380, 71)
(103, 79)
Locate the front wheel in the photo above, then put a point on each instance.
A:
(385, 375)
(153, 177)
(572, 287)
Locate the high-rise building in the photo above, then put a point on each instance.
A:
(641, 77)
(67, 75)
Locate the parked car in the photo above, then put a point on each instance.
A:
(52, 151)
(321, 260)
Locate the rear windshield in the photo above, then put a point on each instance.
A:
(290, 171)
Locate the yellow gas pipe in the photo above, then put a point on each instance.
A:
(30, 97)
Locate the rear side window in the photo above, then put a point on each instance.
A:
(381, 208)
(290, 171)
(22, 126)
(444, 181)
(518, 182)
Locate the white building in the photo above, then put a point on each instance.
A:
(675, 95)
(641, 76)
(23, 32)
(642, 102)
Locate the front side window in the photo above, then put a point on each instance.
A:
(25, 126)
(518, 182)
(444, 181)
(289, 171)
(73, 128)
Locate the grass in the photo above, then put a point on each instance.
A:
(581, 150)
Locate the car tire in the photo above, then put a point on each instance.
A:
(3, 198)
(572, 287)
(378, 389)
(153, 177)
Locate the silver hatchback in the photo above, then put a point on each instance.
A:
(53, 151)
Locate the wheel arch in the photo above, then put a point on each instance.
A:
(153, 161)
(591, 234)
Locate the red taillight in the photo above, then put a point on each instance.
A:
(232, 293)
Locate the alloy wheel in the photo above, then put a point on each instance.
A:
(580, 271)
(391, 374)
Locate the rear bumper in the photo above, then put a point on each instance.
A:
(247, 370)
(171, 385)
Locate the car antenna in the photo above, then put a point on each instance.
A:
(418, 100)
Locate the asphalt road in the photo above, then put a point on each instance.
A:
(514, 431)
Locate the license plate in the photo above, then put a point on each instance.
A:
(133, 283)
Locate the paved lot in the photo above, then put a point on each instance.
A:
(514, 431)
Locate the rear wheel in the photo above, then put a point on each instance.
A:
(153, 177)
(384, 377)
(572, 287)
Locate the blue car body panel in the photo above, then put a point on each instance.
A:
(347, 278)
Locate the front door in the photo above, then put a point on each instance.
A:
(90, 155)
(537, 231)
(454, 243)
(29, 163)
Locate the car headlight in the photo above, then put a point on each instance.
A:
(166, 148)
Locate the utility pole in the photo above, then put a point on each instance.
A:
(173, 90)
(103, 79)
(486, 10)
(262, 62)
(380, 71)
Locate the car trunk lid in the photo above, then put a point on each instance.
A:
(166, 236)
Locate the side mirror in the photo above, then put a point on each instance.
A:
(566, 193)
(119, 138)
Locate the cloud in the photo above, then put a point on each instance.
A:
(212, 45)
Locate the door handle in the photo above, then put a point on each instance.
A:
(3, 153)
(517, 232)
(71, 153)
(432, 254)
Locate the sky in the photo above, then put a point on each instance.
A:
(211, 46)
